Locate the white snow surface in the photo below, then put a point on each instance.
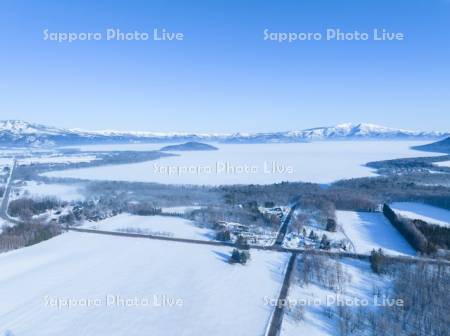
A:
(157, 225)
(57, 159)
(321, 162)
(372, 230)
(3, 223)
(6, 161)
(425, 212)
(218, 298)
(180, 209)
(120, 147)
(443, 164)
(65, 192)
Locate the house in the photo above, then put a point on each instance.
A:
(235, 228)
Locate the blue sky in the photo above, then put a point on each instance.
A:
(223, 76)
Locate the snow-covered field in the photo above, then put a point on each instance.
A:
(368, 231)
(320, 162)
(57, 159)
(443, 164)
(216, 298)
(315, 322)
(425, 212)
(181, 210)
(3, 223)
(120, 147)
(156, 225)
(65, 192)
(5, 162)
(11, 152)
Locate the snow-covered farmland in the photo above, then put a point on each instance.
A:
(120, 147)
(217, 298)
(57, 159)
(371, 230)
(4, 164)
(5, 161)
(181, 210)
(315, 298)
(65, 192)
(155, 225)
(320, 162)
(443, 164)
(425, 212)
(4, 223)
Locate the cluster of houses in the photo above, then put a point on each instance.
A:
(231, 231)
(235, 228)
(314, 240)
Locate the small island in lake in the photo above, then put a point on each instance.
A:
(189, 146)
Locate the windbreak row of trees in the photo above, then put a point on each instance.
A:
(437, 235)
(424, 237)
(408, 230)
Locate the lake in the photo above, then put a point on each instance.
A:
(320, 162)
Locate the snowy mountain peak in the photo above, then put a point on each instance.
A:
(346, 125)
(20, 127)
(364, 127)
(355, 127)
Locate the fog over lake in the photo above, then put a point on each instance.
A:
(320, 162)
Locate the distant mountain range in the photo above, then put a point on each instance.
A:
(20, 133)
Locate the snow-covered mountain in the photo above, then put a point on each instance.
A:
(364, 130)
(20, 133)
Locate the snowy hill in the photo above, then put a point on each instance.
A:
(20, 133)
(442, 146)
(215, 297)
(189, 146)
